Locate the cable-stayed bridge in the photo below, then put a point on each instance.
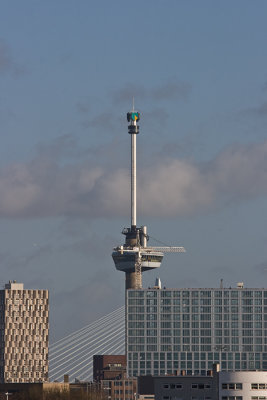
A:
(73, 354)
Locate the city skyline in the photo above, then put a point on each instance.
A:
(68, 73)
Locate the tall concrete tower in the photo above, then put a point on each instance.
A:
(134, 256)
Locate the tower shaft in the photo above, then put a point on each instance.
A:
(133, 280)
(133, 181)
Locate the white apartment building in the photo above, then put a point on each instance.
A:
(24, 330)
(243, 385)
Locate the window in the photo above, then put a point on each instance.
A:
(258, 398)
(166, 386)
(200, 386)
(254, 386)
(260, 386)
(232, 398)
(232, 386)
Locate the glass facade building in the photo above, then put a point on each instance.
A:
(190, 329)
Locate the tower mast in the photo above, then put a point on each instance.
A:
(133, 117)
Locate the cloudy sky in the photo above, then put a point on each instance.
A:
(68, 72)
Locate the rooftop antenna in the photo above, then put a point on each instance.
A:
(221, 284)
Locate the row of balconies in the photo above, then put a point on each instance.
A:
(23, 368)
(28, 364)
(18, 348)
(37, 312)
(29, 311)
(23, 309)
(24, 332)
(26, 293)
(41, 331)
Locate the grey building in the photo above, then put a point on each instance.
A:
(180, 387)
(191, 329)
(24, 328)
(219, 385)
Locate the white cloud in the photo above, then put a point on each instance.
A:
(45, 187)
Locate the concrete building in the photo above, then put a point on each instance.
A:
(24, 329)
(182, 387)
(190, 329)
(217, 385)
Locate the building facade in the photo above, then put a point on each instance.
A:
(108, 366)
(219, 385)
(188, 387)
(191, 329)
(24, 330)
(243, 385)
(110, 371)
(120, 389)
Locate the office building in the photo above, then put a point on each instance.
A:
(190, 329)
(24, 330)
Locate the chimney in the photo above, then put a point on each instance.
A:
(216, 367)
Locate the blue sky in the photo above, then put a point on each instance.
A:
(68, 72)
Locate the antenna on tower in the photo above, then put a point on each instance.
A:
(133, 103)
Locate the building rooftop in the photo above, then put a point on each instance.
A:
(13, 285)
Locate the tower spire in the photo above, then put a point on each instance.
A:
(133, 129)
